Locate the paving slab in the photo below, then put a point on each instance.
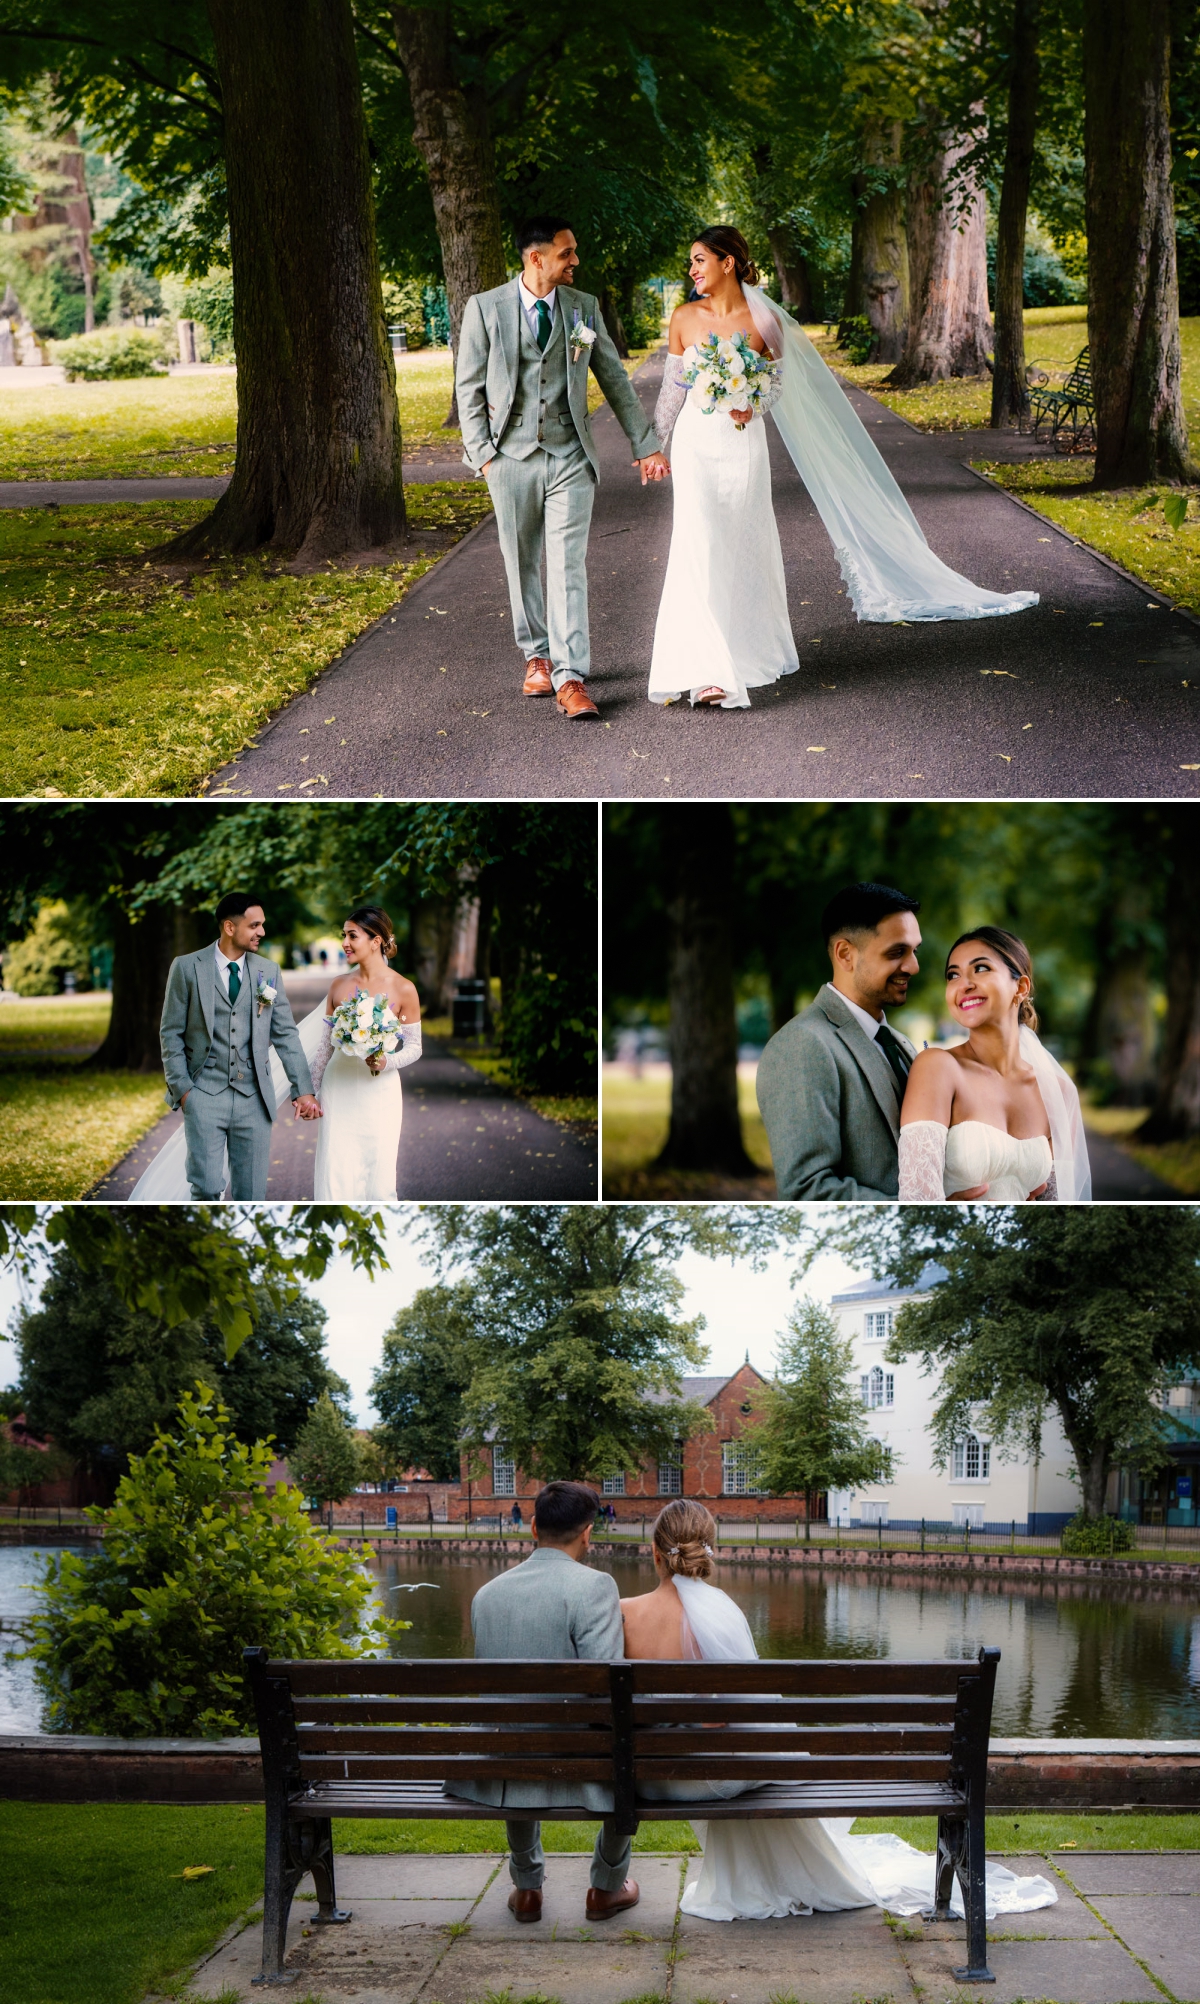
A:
(815, 1958)
(609, 1972)
(1112, 1872)
(460, 1876)
(564, 1894)
(1165, 1932)
(1069, 1919)
(1069, 1972)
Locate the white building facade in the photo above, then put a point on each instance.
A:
(977, 1487)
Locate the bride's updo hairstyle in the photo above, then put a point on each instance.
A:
(373, 919)
(727, 242)
(685, 1539)
(1016, 957)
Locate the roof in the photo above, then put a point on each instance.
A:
(705, 1389)
(886, 1290)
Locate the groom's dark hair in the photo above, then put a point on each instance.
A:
(235, 903)
(562, 1509)
(539, 230)
(860, 907)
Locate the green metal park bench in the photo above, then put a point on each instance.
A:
(1068, 413)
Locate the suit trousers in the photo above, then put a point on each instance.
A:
(527, 1860)
(215, 1122)
(543, 505)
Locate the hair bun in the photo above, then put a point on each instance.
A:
(684, 1536)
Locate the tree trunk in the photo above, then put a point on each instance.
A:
(1010, 394)
(791, 269)
(879, 275)
(1175, 1114)
(705, 1132)
(142, 956)
(613, 322)
(1133, 291)
(318, 438)
(1118, 1039)
(949, 331)
(453, 137)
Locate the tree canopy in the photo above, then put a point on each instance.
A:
(813, 1436)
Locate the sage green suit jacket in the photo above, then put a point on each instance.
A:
(831, 1105)
(186, 1027)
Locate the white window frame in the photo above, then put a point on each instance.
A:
(670, 1472)
(612, 1485)
(504, 1473)
(971, 1460)
(739, 1469)
(877, 1325)
(874, 1513)
(968, 1513)
(878, 1388)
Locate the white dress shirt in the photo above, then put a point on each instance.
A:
(867, 1021)
(530, 303)
(223, 966)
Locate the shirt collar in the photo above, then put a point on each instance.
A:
(529, 299)
(224, 964)
(861, 1016)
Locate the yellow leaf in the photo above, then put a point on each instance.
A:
(1095, 622)
(1026, 727)
(194, 1872)
(815, 747)
(1189, 768)
(1006, 756)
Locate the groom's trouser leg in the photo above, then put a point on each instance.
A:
(518, 491)
(570, 492)
(610, 1859)
(206, 1125)
(249, 1146)
(526, 1859)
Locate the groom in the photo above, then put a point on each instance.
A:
(224, 1009)
(524, 351)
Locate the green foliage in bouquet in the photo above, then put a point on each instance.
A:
(144, 1636)
(112, 354)
(1095, 1537)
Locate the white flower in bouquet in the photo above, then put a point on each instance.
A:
(365, 1026)
(730, 374)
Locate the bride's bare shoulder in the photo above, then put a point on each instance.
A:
(684, 328)
(340, 990)
(403, 997)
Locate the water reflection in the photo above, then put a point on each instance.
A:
(1075, 1663)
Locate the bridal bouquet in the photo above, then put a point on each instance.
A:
(730, 374)
(365, 1026)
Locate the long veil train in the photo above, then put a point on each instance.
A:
(165, 1181)
(890, 571)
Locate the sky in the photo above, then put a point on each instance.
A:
(743, 1311)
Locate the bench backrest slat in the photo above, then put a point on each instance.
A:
(441, 1677)
(805, 1679)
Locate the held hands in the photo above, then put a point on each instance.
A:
(654, 467)
(306, 1107)
(968, 1196)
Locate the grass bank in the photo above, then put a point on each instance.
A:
(96, 1899)
(126, 675)
(62, 1126)
(636, 1116)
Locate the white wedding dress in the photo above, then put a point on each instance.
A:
(355, 1163)
(723, 619)
(935, 1161)
(768, 1869)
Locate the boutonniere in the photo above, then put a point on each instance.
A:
(265, 990)
(582, 338)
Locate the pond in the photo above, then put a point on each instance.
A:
(1076, 1663)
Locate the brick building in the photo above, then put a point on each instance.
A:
(716, 1467)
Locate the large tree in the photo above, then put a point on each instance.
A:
(813, 1437)
(878, 286)
(1175, 1114)
(949, 328)
(1133, 293)
(1087, 1312)
(1010, 394)
(326, 1459)
(430, 1354)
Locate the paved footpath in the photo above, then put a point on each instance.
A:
(1094, 693)
(1126, 1929)
(463, 1138)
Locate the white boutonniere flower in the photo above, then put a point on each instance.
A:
(265, 990)
(582, 338)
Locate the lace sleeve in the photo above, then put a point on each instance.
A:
(671, 398)
(409, 1051)
(1050, 1194)
(322, 1054)
(771, 394)
(923, 1162)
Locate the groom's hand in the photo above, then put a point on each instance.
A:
(654, 467)
(307, 1107)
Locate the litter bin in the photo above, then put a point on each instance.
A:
(469, 1007)
(399, 340)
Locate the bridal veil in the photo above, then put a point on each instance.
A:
(890, 571)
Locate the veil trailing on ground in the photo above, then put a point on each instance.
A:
(165, 1181)
(890, 571)
(1072, 1170)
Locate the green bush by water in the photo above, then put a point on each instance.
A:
(1096, 1537)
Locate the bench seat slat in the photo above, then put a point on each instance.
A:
(534, 1742)
(592, 1742)
(733, 1767)
(427, 1802)
(654, 1741)
(481, 1766)
(709, 1766)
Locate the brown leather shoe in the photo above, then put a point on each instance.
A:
(602, 1905)
(574, 701)
(537, 677)
(526, 1903)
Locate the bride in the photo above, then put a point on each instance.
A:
(770, 1868)
(362, 1102)
(996, 1110)
(723, 625)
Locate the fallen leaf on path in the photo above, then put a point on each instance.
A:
(638, 754)
(1095, 622)
(815, 748)
(443, 671)
(305, 732)
(1189, 768)
(1006, 756)
(1044, 539)
(331, 720)
(441, 734)
(1026, 727)
(914, 775)
(829, 685)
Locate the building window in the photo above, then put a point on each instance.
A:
(739, 1469)
(612, 1485)
(878, 1325)
(971, 1460)
(504, 1473)
(878, 1388)
(670, 1473)
(968, 1513)
(874, 1513)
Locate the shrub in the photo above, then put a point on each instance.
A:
(111, 353)
(643, 322)
(57, 943)
(548, 1033)
(404, 306)
(857, 337)
(144, 1636)
(1096, 1537)
(210, 301)
(326, 1459)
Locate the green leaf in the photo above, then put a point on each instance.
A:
(1175, 508)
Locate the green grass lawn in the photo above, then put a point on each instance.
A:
(97, 1910)
(48, 1022)
(635, 1116)
(61, 1126)
(130, 676)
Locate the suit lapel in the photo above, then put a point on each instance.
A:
(508, 323)
(206, 986)
(868, 1057)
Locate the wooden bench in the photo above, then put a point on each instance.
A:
(393, 1739)
(1071, 406)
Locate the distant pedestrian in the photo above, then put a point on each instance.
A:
(517, 1518)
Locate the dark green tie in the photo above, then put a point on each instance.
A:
(235, 983)
(895, 1053)
(543, 320)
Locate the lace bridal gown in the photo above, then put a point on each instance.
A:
(778, 1866)
(935, 1161)
(358, 1136)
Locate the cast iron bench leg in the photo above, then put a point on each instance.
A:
(972, 1879)
(329, 1914)
(284, 1871)
(950, 1839)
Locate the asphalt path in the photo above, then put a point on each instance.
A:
(1093, 693)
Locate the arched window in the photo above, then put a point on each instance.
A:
(878, 1388)
(971, 1459)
